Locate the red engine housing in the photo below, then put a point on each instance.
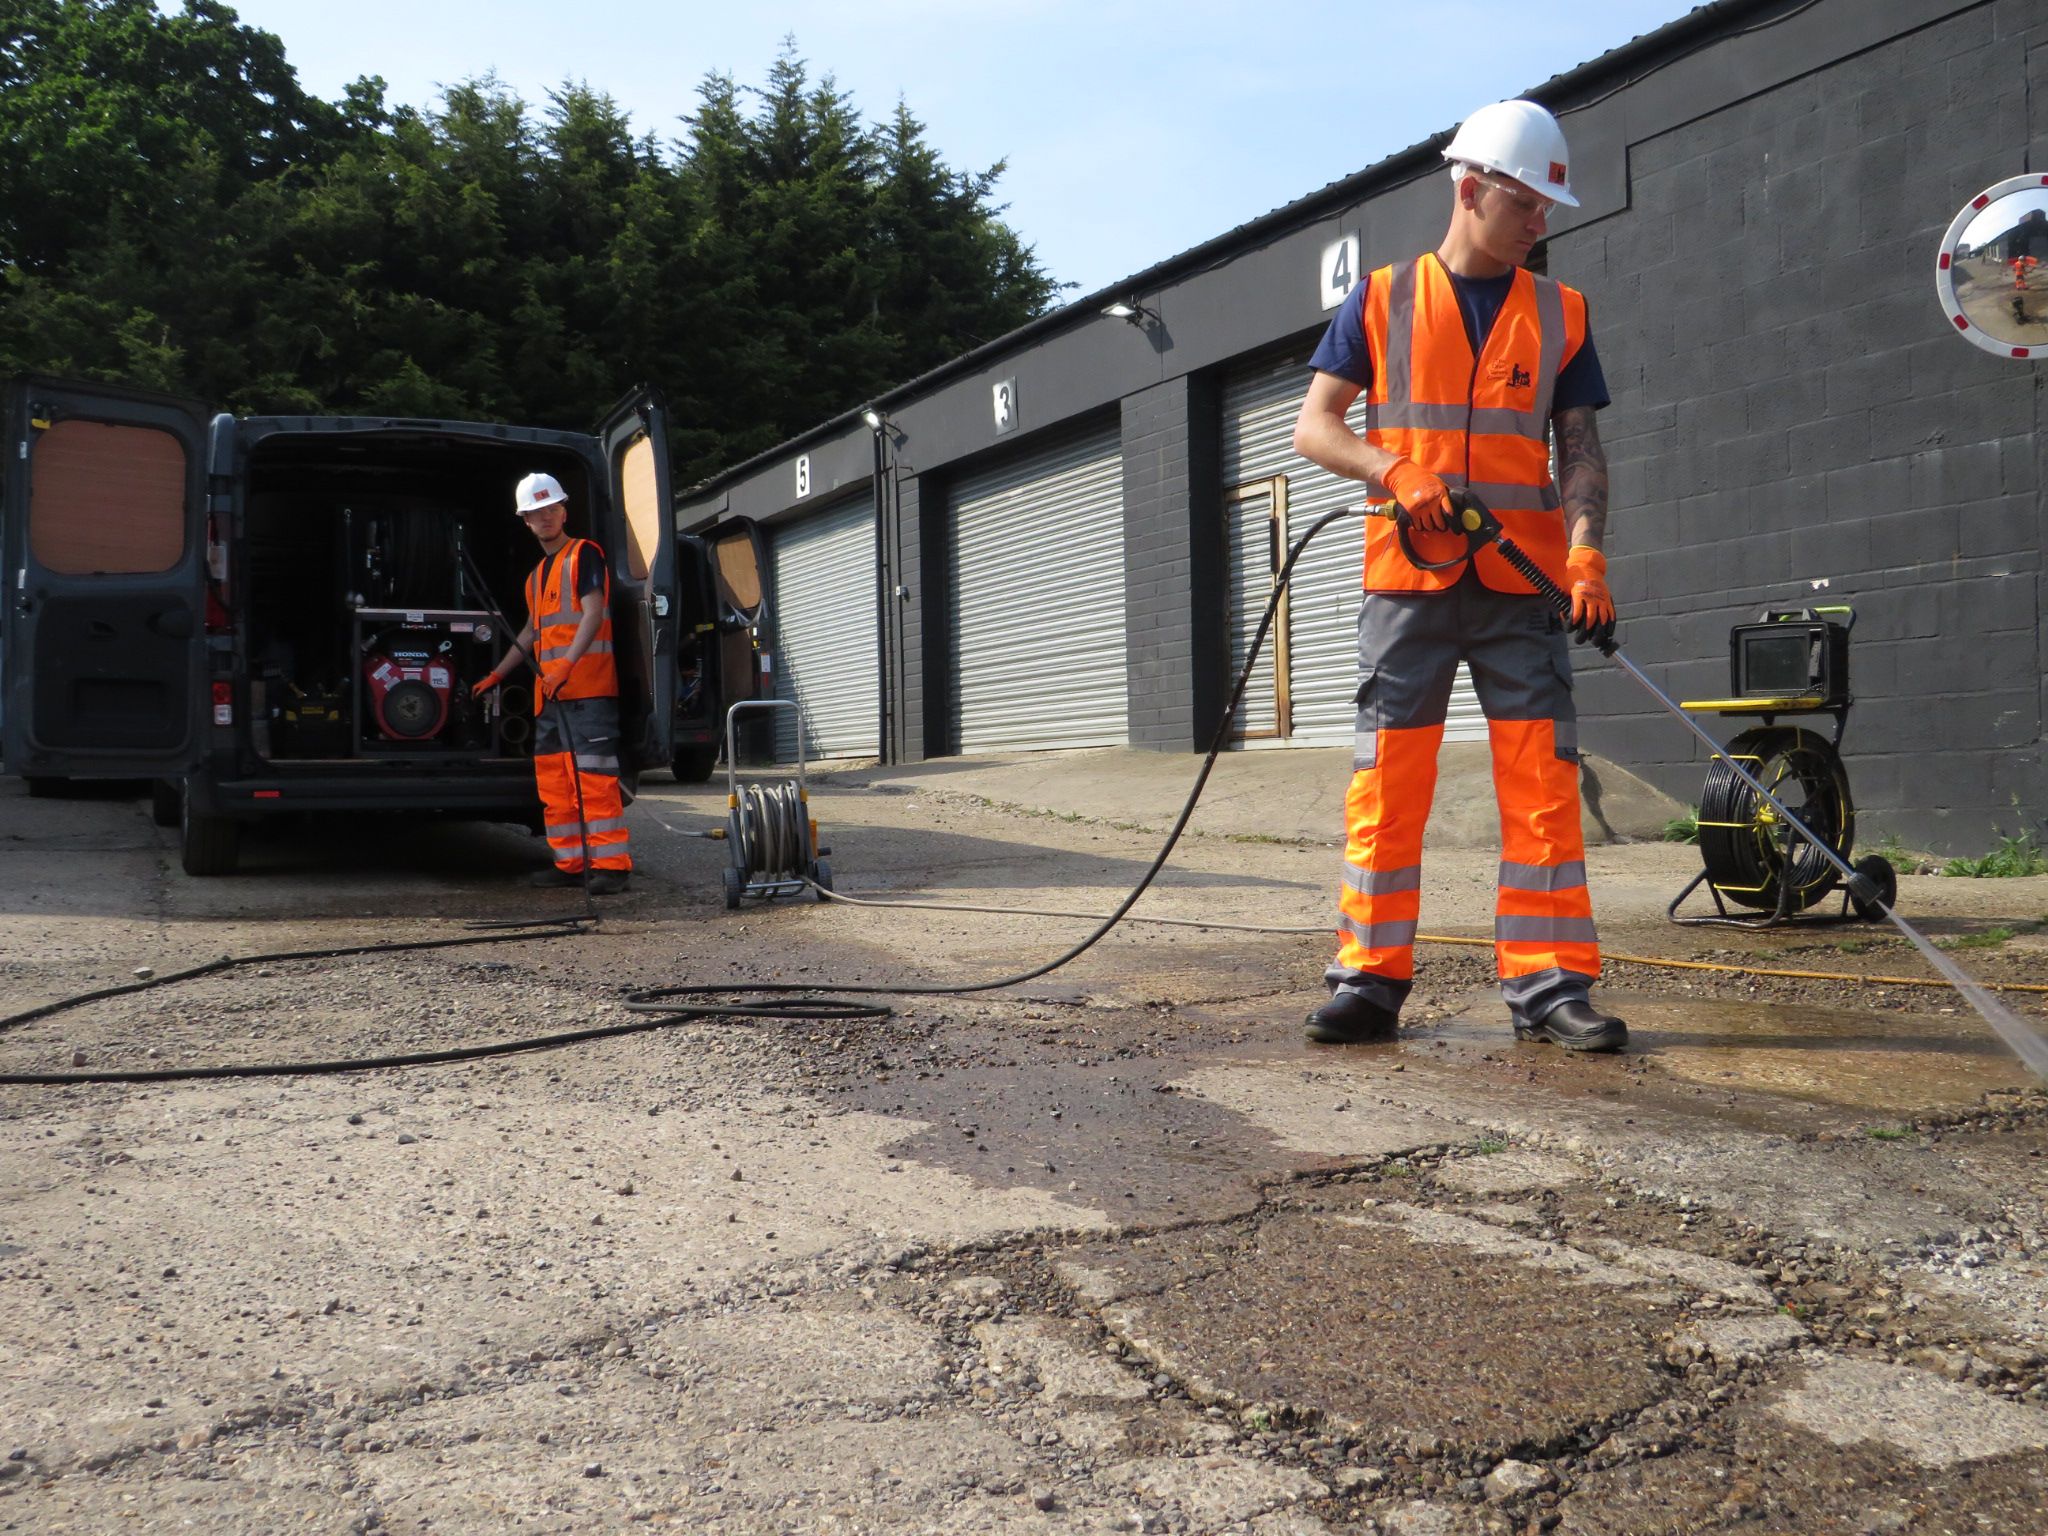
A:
(408, 693)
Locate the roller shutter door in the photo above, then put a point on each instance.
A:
(823, 569)
(1038, 581)
(1321, 677)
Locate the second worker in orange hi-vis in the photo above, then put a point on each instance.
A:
(1467, 362)
(568, 638)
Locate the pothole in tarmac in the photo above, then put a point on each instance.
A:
(1486, 1339)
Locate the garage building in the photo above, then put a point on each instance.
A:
(1073, 529)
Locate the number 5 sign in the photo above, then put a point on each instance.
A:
(1339, 270)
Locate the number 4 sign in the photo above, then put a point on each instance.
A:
(1339, 270)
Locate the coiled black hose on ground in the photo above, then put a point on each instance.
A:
(661, 1007)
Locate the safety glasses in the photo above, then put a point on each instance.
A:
(1528, 204)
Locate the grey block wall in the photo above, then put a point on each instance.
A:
(1795, 423)
(1173, 561)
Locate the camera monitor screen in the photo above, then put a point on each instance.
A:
(1776, 665)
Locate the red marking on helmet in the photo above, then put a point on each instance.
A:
(1557, 172)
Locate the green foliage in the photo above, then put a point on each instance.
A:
(176, 212)
(1990, 938)
(1888, 1133)
(1683, 829)
(2014, 857)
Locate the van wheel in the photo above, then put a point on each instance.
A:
(693, 765)
(166, 802)
(211, 845)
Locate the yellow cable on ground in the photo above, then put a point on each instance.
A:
(1420, 938)
(1440, 938)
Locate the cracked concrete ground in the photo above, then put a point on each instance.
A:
(1110, 1250)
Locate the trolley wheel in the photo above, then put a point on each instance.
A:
(734, 885)
(1879, 872)
(821, 873)
(1751, 854)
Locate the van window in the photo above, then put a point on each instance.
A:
(634, 475)
(106, 500)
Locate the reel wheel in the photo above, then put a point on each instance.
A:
(1751, 854)
(1879, 872)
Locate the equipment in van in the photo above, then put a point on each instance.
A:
(409, 683)
(1764, 852)
(254, 611)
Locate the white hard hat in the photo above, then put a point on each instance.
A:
(538, 491)
(1518, 139)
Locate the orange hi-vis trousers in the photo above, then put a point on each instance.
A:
(585, 755)
(1545, 946)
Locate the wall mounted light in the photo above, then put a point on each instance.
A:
(1130, 311)
(873, 418)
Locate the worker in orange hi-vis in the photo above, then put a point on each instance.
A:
(568, 637)
(1467, 363)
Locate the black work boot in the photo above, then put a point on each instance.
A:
(552, 876)
(607, 882)
(1350, 1019)
(1577, 1026)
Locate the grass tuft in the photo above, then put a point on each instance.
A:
(1683, 829)
(2014, 858)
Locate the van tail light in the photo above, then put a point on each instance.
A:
(224, 702)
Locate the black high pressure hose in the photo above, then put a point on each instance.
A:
(662, 1007)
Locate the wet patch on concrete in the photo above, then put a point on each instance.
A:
(1107, 1135)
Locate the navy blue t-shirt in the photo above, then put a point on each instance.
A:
(1343, 352)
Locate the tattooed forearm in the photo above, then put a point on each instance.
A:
(1582, 475)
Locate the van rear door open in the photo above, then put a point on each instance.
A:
(635, 438)
(101, 657)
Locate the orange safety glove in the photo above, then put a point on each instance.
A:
(1592, 604)
(484, 684)
(1423, 496)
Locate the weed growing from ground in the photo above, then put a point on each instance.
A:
(2014, 857)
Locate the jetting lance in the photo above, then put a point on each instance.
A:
(1481, 528)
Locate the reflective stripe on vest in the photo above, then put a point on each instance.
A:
(1481, 422)
(557, 615)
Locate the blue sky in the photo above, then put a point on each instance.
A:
(1132, 130)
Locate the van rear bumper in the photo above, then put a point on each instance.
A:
(491, 793)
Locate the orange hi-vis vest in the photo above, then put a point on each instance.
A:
(1479, 423)
(556, 616)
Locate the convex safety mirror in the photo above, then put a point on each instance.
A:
(1992, 273)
